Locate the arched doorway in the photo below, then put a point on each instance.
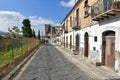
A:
(108, 49)
(77, 42)
(86, 45)
(66, 41)
(70, 41)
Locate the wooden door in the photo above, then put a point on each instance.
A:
(77, 42)
(110, 52)
(103, 52)
(86, 44)
(66, 42)
(70, 42)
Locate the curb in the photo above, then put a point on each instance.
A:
(19, 66)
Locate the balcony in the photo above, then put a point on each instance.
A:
(76, 24)
(105, 9)
(66, 31)
(86, 12)
(76, 27)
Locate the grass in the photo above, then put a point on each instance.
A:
(12, 53)
(6, 56)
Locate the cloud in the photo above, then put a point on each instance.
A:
(70, 3)
(38, 23)
(11, 18)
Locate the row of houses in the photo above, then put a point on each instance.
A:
(92, 28)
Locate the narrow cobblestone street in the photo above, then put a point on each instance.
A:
(50, 64)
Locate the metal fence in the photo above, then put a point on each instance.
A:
(102, 6)
(12, 48)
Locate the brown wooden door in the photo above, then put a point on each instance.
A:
(77, 42)
(70, 42)
(103, 52)
(66, 42)
(110, 52)
(86, 46)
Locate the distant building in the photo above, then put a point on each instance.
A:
(51, 32)
(47, 30)
(58, 30)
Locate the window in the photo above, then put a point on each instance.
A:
(94, 48)
(107, 4)
(70, 20)
(77, 16)
(67, 24)
(86, 3)
(64, 26)
(95, 38)
(86, 8)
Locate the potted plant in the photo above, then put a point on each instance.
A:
(116, 5)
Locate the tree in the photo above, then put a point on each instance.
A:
(0, 36)
(14, 31)
(39, 35)
(33, 33)
(26, 29)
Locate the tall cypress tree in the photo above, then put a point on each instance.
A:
(26, 29)
(33, 32)
(39, 34)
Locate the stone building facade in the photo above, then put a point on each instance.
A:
(92, 28)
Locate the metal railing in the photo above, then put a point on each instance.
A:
(76, 22)
(102, 6)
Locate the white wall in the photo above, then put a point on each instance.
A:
(97, 30)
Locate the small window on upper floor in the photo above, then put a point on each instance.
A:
(71, 21)
(64, 26)
(77, 17)
(86, 9)
(86, 3)
(67, 24)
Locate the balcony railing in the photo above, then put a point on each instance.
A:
(104, 9)
(76, 23)
(66, 31)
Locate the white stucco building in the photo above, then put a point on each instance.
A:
(92, 28)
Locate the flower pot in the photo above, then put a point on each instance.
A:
(116, 6)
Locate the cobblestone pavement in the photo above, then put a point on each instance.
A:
(50, 64)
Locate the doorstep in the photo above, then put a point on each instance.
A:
(95, 62)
